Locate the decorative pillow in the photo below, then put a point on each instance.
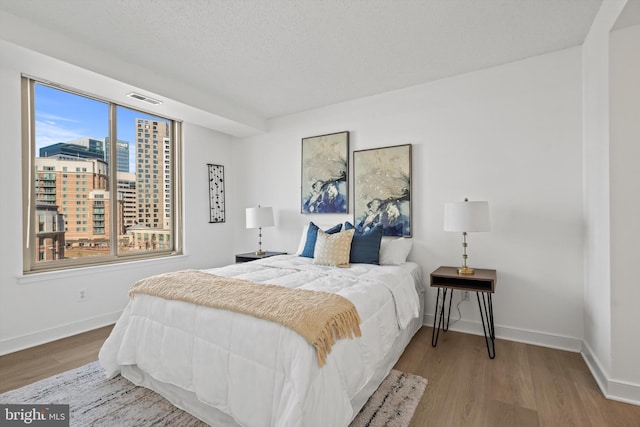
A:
(312, 234)
(333, 249)
(395, 251)
(365, 246)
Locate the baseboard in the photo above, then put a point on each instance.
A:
(624, 392)
(514, 334)
(621, 391)
(12, 345)
(595, 367)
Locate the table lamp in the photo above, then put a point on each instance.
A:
(257, 218)
(466, 217)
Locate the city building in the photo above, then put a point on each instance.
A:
(141, 237)
(83, 148)
(77, 189)
(122, 151)
(50, 235)
(153, 151)
(127, 205)
(89, 148)
(99, 218)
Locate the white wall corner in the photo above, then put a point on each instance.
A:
(621, 391)
(594, 365)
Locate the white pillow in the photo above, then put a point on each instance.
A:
(303, 239)
(395, 251)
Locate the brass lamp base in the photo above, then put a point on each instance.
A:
(465, 270)
(260, 252)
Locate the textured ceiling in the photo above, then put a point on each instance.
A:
(276, 57)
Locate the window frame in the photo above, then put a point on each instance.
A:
(30, 222)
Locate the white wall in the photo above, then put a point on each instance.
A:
(597, 318)
(625, 205)
(611, 345)
(510, 135)
(42, 307)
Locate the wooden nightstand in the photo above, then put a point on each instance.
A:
(483, 282)
(251, 256)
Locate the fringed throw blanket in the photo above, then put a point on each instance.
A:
(320, 317)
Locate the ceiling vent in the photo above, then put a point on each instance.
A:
(144, 98)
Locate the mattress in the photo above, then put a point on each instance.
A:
(228, 368)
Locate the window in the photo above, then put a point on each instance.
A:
(113, 192)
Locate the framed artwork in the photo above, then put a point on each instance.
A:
(216, 193)
(382, 189)
(325, 168)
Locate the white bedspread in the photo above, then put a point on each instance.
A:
(259, 372)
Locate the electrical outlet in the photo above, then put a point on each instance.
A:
(465, 295)
(82, 294)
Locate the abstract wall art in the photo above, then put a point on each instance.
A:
(325, 171)
(216, 193)
(382, 189)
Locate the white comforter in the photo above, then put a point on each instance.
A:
(259, 372)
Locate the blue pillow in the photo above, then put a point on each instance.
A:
(365, 246)
(312, 236)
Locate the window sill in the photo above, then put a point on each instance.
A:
(97, 269)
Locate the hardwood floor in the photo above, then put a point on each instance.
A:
(523, 386)
(28, 366)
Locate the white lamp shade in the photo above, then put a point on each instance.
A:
(260, 217)
(466, 216)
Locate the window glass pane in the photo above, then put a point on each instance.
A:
(144, 217)
(75, 218)
(70, 132)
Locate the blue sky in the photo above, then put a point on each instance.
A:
(62, 117)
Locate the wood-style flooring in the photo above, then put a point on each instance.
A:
(28, 366)
(523, 386)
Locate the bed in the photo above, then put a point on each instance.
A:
(229, 368)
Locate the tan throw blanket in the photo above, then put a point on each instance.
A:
(320, 317)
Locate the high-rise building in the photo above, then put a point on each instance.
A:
(83, 148)
(153, 186)
(122, 151)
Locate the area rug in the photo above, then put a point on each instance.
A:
(97, 401)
